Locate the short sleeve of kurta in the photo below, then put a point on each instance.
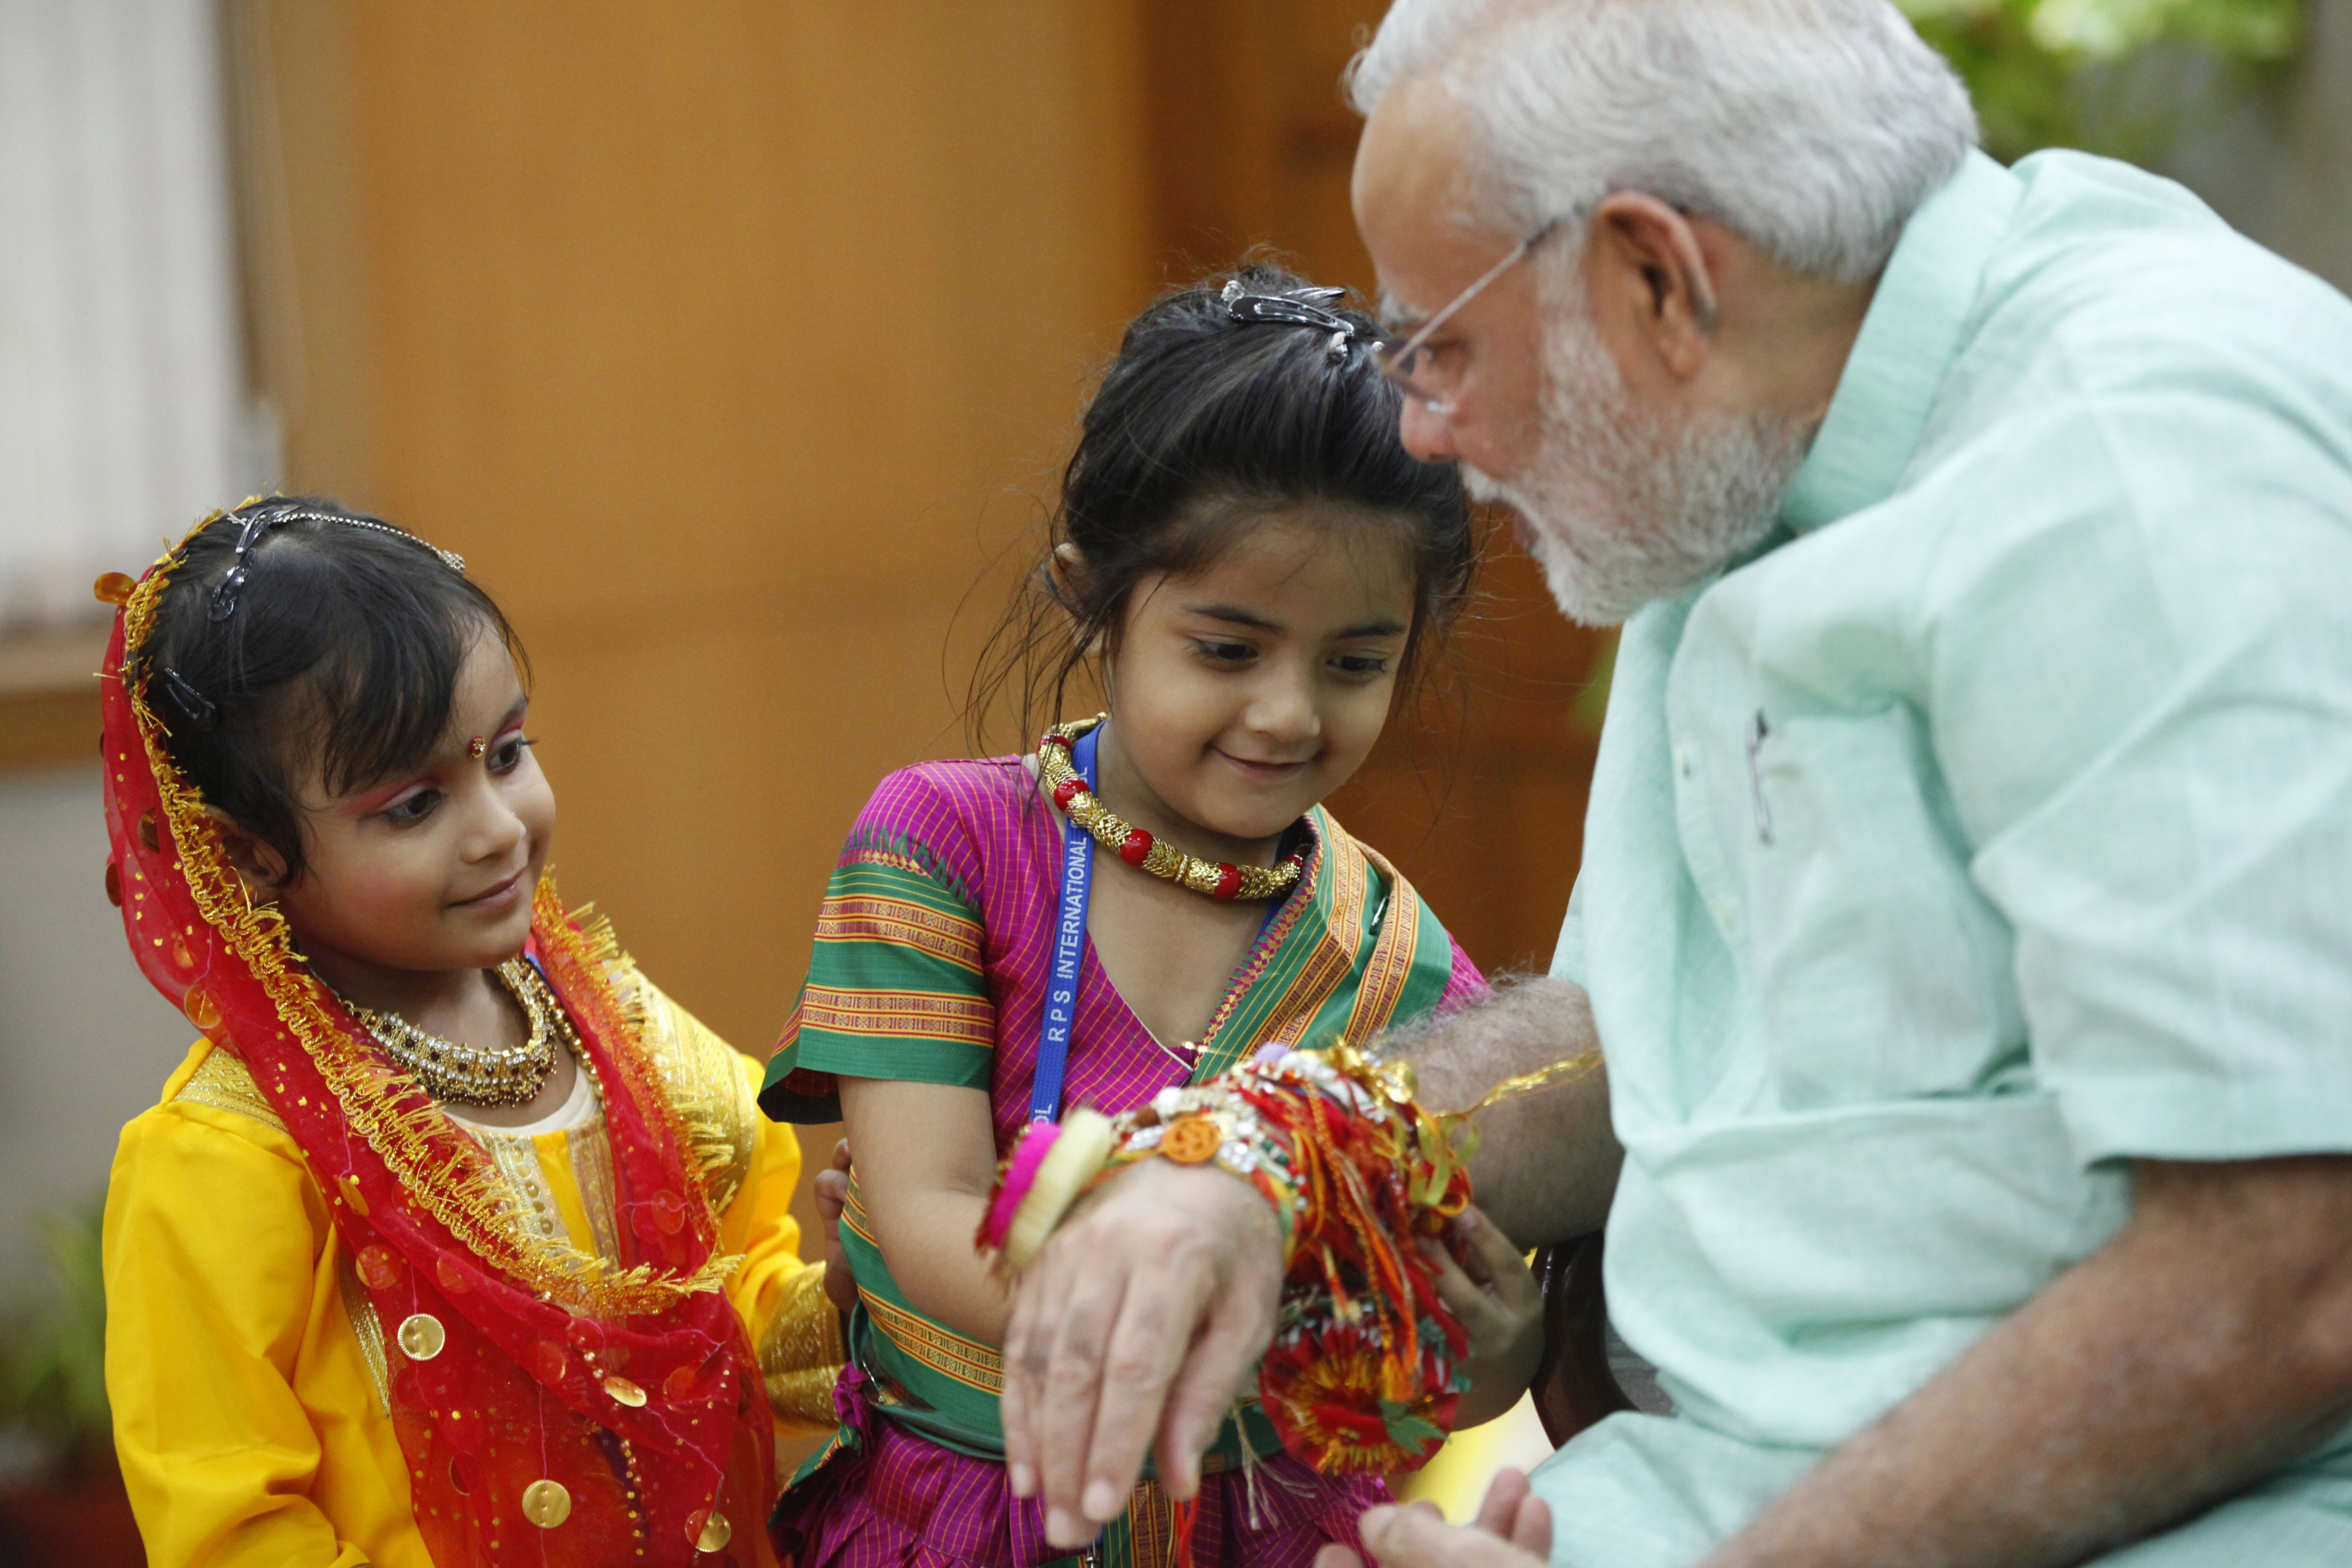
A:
(2142, 695)
(896, 987)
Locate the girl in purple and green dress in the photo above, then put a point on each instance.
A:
(1253, 566)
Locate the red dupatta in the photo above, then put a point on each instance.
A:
(553, 1409)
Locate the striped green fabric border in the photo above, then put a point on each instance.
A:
(894, 985)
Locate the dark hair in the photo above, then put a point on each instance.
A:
(345, 633)
(1205, 419)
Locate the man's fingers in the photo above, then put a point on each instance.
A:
(1212, 1374)
(1336, 1556)
(1498, 1514)
(1028, 1351)
(1407, 1538)
(1531, 1528)
(1069, 1390)
(1107, 1319)
(1013, 1402)
(1146, 1345)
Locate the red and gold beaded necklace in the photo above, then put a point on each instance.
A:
(1216, 879)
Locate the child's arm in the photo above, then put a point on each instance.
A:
(926, 1159)
(1494, 1295)
(212, 1248)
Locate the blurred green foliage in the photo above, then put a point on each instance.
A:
(53, 1362)
(2125, 78)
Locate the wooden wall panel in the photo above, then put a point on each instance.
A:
(727, 343)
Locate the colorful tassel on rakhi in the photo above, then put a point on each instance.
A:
(1364, 1376)
(1364, 1371)
(1180, 1528)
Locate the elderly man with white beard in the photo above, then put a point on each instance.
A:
(1965, 909)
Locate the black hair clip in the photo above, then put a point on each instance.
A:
(1299, 308)
(232, 582)
(199, 710)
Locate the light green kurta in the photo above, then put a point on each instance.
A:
(1991, 826)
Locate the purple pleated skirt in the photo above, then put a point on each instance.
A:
(897, 1500)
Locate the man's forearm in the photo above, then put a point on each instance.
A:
(2210, 1342)
(1546, 1163)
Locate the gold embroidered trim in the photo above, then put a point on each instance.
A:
(969, 1362)
(367, 1328)
(1150, 1526)
(927, 1014)
(444, 1173)
(518, 1160)
(802, 1352)
(222, 1082)
(1390, 964)
(1334, 953)
(702, 1080)
(590, 1152)
(869, 917)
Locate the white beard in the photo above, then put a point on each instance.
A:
(1620, 509)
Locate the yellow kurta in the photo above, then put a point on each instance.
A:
(247, 1370)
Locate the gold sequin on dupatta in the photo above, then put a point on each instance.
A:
(546, 1503)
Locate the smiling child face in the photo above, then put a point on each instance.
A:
(432, 869)
(1248, 692)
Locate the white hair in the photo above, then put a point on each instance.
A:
(1811, 127)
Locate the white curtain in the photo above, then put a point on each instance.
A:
(121, 401)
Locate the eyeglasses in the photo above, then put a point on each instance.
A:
(1410, 364)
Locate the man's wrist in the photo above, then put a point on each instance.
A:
(1201, 1126)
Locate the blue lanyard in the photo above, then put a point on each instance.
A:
(1069, 950)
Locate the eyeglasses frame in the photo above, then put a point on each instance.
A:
(1395, 363)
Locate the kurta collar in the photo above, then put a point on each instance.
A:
(1909, 341)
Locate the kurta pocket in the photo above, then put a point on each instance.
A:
(1883, 971)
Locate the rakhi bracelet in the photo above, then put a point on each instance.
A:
(1049, 1168)
(1210, 1125)
(1365, 1370)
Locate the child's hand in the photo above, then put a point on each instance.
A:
(831, 1194)
(1496, 1299)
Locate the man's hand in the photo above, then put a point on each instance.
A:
(1513, 1531)
(1143, 1319)
(833, 1195)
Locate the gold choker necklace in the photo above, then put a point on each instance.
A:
(472, 1075)
(1217, 878)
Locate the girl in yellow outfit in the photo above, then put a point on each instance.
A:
(453, 1241)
